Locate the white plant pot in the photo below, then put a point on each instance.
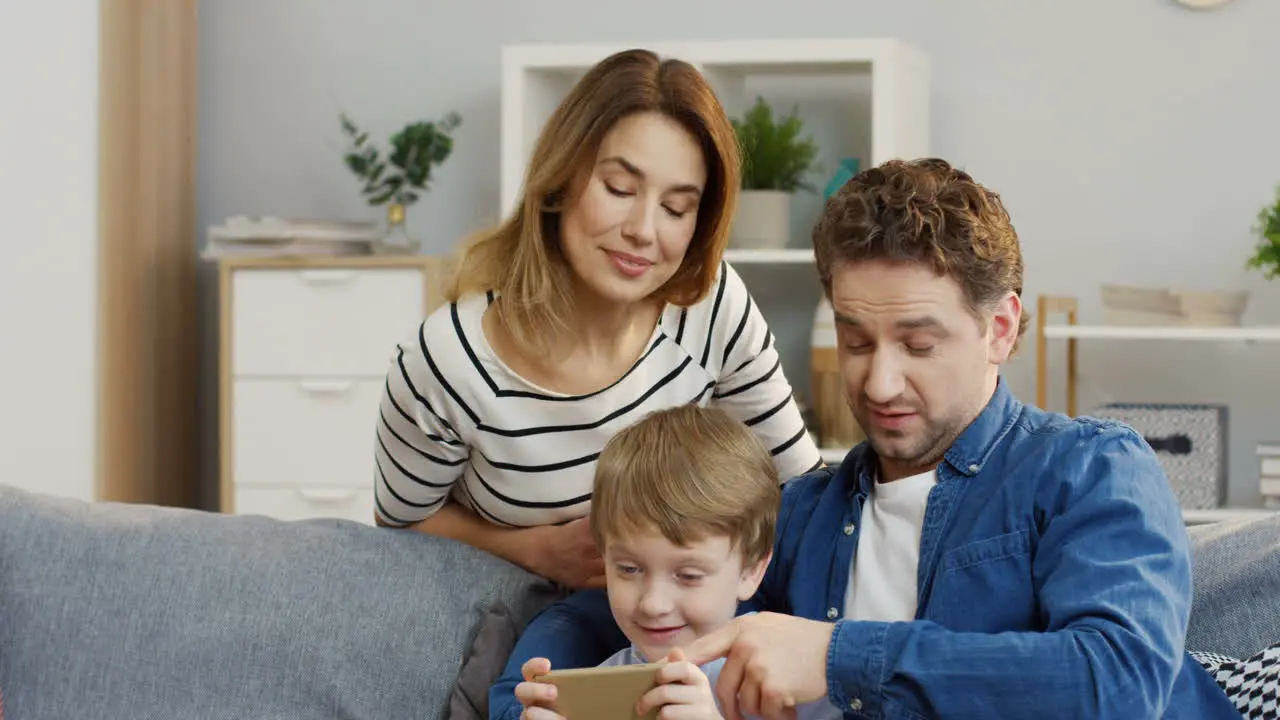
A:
(762, 220)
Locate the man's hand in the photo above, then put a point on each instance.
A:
(772, 664)
(683, 692)
(536, 697)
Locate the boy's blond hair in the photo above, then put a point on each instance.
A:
(688, 472)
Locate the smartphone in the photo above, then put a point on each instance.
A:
(602, 693)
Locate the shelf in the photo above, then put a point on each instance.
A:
(744, 256)
(1158, 332)
(860, 97)
(1204, 517)
(742, 55)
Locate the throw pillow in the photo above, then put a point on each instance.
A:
(494, 641)
(1252, 685)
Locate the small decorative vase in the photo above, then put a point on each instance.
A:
(846, 171)
(397, 240)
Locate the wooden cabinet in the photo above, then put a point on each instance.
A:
(305, 347)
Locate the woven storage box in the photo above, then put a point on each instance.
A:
(1191, 443)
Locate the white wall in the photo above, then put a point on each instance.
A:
(1133, 141)
(48, 244)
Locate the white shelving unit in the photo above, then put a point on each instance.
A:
(1160, 332)
(885, 81)
(1073, 332)
(878, 87)
(787, 256)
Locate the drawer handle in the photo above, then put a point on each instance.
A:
(326, 495)
(325, 387)
(326, 276)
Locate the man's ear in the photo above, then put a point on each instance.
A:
(752, 576)
(1006, 316)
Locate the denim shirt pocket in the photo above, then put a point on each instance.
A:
(985, 585)
(1009, 545)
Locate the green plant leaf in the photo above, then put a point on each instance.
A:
(356, 163)
(1266, 256)
(385, 192)
(413, 153)
(775, 155)
(348, 127)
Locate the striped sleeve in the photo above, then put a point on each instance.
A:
(752, 384)
(419, 453)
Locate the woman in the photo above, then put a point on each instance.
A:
(602, 298)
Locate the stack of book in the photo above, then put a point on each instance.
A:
(1269, 474)
(283, 237)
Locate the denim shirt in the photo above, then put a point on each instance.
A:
(1054, 579)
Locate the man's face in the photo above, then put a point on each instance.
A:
(918, 367)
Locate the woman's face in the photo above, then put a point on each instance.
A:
(626, 231)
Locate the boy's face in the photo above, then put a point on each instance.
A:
(664, 595)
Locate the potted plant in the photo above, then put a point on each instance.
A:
(775, 161)
(1266, 255)
(398, 178)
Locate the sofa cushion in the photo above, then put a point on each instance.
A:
(1236, 576)
(125, 611)
(495, 638)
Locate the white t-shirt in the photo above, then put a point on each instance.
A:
(882, 585)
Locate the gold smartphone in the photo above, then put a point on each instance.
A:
(602, 693)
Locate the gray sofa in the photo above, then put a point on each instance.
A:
(119, 611)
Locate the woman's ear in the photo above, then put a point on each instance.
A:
(752, 576)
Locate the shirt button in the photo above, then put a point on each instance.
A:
(855, 705)
(832, 613)
(848, 529)
(973, 468)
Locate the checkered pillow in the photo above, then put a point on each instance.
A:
(1252, 685)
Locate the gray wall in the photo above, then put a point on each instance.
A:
(1121, 156)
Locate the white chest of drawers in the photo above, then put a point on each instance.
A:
(305, 347)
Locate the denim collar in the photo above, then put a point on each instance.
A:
(967, 455)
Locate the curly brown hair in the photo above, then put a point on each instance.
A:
(929, 212)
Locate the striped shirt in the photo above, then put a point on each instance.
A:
(457, 423)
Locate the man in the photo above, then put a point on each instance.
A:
(976, 557)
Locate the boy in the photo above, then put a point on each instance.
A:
(684, 507)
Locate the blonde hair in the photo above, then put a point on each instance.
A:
(521, 258)
(688, 472)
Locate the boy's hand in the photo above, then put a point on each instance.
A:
(536, 697)
(683, 692)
